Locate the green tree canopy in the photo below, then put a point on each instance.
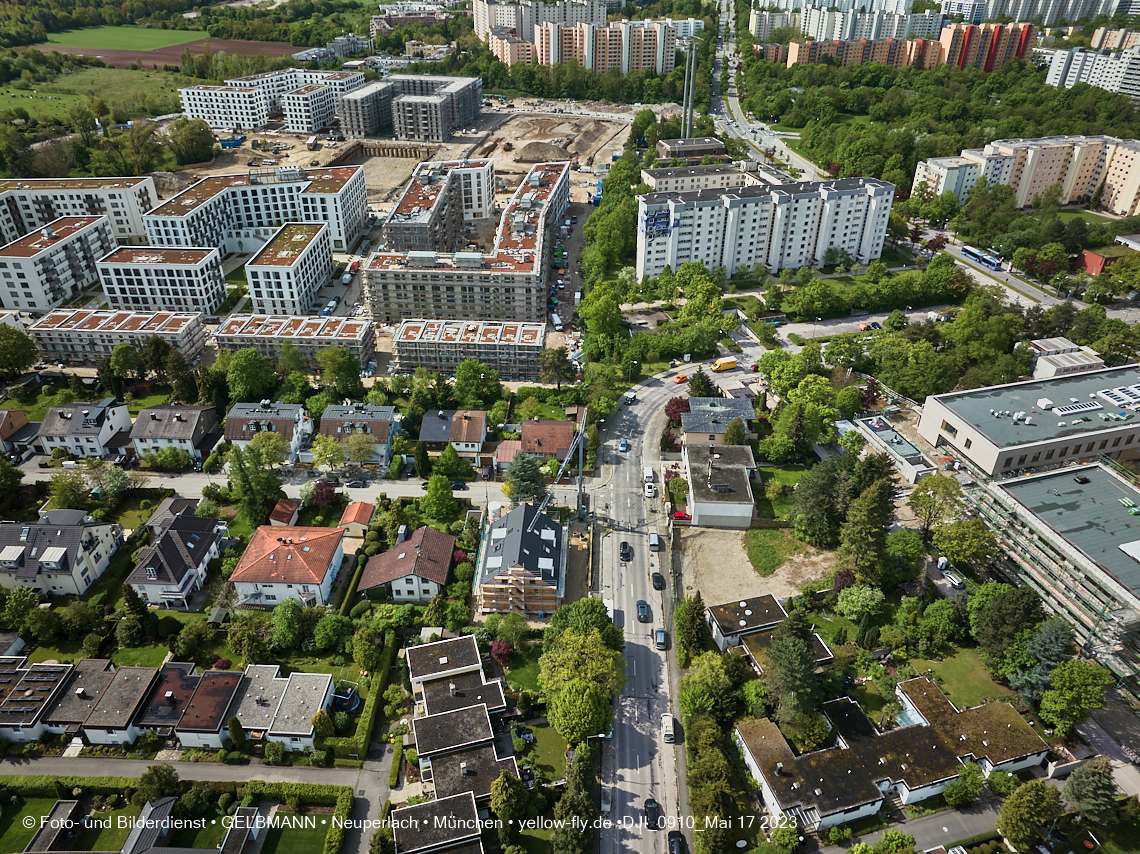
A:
(17, 351)
(579, 709)
(524, 479)
(585, 657)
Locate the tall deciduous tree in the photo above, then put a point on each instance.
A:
(17, 351)
(249, 376)
(274, 447)
(1077, 688)
(476, 385)
(935, 498)
(965, 541)
(340, 370)
(288, 624)
(328, 452)
(1025, 812)
(360, 447)
(583, 617)
(579, 709)
(191, 140)
(586, 657)
(1010, 612)
(438, 502)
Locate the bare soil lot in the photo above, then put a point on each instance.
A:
(715, 563)
(585, 137)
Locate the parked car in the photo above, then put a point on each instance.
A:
(332, 481)
(650, 490)
(680, 514)
(658, 581)
(660, 638)
(625, 551)
(876, 325)
(459, 484)
(652, 814)
(357, 484)
(953, 578)
(676, 842)
(755, 367)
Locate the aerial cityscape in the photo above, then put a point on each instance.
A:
(570, 427)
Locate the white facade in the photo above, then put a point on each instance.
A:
(27, 204)
(157, 277)
(226, 108)
(524, 16)
(791, 225)
(1114, 72)
(971, 11)
(40, 270)
(686, 28)
(308, 594)
(247, 103)
(84, 429)
(287, 272)
(412, 588)
(67, 335)
(761, 22)
(955, 175)
(68, 565)
(309, 109)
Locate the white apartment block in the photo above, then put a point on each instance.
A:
(971, 11)
(310, 335)
(238, 213)
(309, 109)
(507, 284)
(86, 429)
(153, 278)
(512, 349)
(1113, 72)
(686, 28)
(761, 22)
(285, 275)
(40, 270)
(226, 108)
(713, 176)
(898, 7)
(778, 226)
(67, 335)
(821, 23)
(276, 84)
(27, 204)
(525, 16)
(1079, 164)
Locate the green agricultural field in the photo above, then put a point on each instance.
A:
(125, 38)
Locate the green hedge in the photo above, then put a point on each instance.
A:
(312, 793)
(394, 773)
(346, 601)
(344, 748)
(48, 786)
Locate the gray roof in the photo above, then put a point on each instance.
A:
(167, 509)
(472, 770)
(145, 832)
(358, 412)
(452, 730)
(727, 478)
(692, 142)
(91, 677)
(47, 836)
(26, 693)
(49, 546)
(434, 824)
(122, 698)
(805, 188)
(1077, 390)
(747, 615)
(527, 538)
(179, 550)
(174, 423)
(722, 406)
(258, 696)
(470, 690)
(695, 171)
(304, 696)
(442, 657)
(1088, 516)
(709, 421)
(77, 419)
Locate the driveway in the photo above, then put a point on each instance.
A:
(939, 829)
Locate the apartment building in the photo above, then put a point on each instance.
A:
(286, 273)
(823, 23)
(512, 349)
(970, 11)
(626, 45)
(1079, 164)
(509, 48)
(683, 179)
(150, 278)
(239, 213)
(193, 429)
(86, 336)
(1113, 72)
(225, 107)
(896, 53)
(44, 268)
(1069, 534)
(266, 333)
(693, 147)
(762, 21)
(309, 109)
(508, 283)
(686, 28)
(522, 564)
(61, 554)
(1106, 38)
(86, 429)
(524, 17)
(985, 46)
(246, 420)
(238, 106)
(778, 226)
(427, 108)
(440, 197)
(377, 422)
(1038, 423)
(28, 204)
(367, 110)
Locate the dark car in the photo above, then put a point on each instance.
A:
(625, 551)
(332, 481)
(424, 485)
(642, 611)
(459, 484)
(652, 814)
(357, 484)
(658, 581)
(876, 325)
(676, 842)
(660, 638)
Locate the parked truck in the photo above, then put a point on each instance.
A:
(650, 476)
(312, 144)
(725, 364)
(556, 322)
(232, 141)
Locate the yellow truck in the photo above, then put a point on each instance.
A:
(725, 364)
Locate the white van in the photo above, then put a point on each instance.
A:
(667, 728)
(654, 543)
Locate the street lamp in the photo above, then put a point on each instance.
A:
(817, 320)
(629, 373)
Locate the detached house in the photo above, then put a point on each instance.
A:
(289, 563)
(62, 554)
(16, 434)
(708, 418)
(193, 429)
(246, 420)
(413, 570)
(522, 564)
(86, 429)
(464, 429)
(376, 422)
(169, 572)
(547, 439)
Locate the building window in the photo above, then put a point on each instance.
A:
(1116, 441)
(949, 429)
(1021, 460)
(969, 442)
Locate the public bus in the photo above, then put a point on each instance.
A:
(981, 257)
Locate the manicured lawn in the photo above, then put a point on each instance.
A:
(106, 838)
(783, 506)
(965, 680)
(13, 835)
(330, 514)
(108, 588)
(768, 549)
(130, 514)
(522, 672)
(125, 38)
(209, 837)
(1093, 219)
(35, 407)
(868, 696)
(295, 840)
(150, 655)
(547, 412)
(747, 303)
(61, 652)
(146, 401)
(548, 753)
(311, 664)
(535, 840)
(896, 257)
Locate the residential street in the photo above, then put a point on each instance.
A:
(941, 828)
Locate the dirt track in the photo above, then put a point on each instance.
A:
(173, 55)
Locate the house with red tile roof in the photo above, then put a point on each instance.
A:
(548, 439)
(285, 513)
(413, 570)
(356, 518)
(505, 453)
(289, 563)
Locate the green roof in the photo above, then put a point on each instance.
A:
(1112, 251)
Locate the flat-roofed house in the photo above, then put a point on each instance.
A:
(304, 695)
(720, 485)
(203, 721)
(457, 753)
(27, 692)
(448, 824)
(731, 621)
(171, 693)
(68, 711)
(112, 719)
(443, 659)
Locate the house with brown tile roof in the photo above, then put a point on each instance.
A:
(413, 570)
(547, 439)
(505, 453)
(356, 518)
(465, 429)
(289, 563)
(285, 513)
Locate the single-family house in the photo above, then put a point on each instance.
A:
(448, 675)
(61, 554)
(731, 621)
(256, 700)
(85, 685)
(547, 439)
(464, 429)
(912, 761)
(377, 422)
(171, 570)
(246, 420)
(16, 434)
(86, 429)
(21, 720)
(708, 418)
(413, 570)
(447, 825)
(289, 563)
(356, 518)
(285, 513)
(193, 429)
(168, 698)
(505, 453)
(304, 695)
(522, 564)
(720, 484)
(203, 721)
(167, 510)
(111, 721)
(457, 753)
(443, 660)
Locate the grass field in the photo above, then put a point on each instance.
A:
(783, 506)
(965, 680)
(295, 840)
(13, 835)
(1093, 219)
(208, 837)
(116, 85)
(107, 838)
(53, 106)
(767, 549)
(125, 38)
(151, 655)
(523, 670)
